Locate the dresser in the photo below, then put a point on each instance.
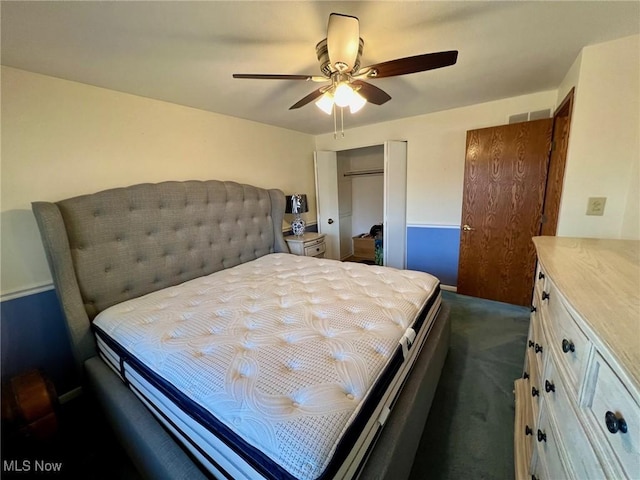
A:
(309, 244)
(577, 405)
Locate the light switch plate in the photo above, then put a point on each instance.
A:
(595, 205)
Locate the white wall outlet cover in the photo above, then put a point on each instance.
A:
(595, 205)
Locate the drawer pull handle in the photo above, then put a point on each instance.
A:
(540, 276)
(545, 296)
(525, 375)
(568, 346)
(538, 348)
(528, 430)
(531, 344)
(549, 387)
(542, 437)
(533, 309)
(615, 424)
(535, 392)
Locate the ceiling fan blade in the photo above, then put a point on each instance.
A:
(404, 66)
(343, 41)
(372, 93)
(267, 76)
(309, 98)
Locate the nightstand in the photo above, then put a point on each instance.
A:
(310, 244)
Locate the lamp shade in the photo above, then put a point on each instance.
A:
(297, 203)
(326, 103)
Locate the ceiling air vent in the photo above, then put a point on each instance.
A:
(528, 116)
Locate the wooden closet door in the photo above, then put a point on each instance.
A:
(504, 186)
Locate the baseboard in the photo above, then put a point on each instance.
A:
(70, 395)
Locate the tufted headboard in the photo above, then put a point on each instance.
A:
(122, 243)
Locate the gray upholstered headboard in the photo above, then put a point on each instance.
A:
(122, 243)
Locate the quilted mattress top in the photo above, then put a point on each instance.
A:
(282, 349)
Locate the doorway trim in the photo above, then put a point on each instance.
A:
(561, 131)
(395, 196)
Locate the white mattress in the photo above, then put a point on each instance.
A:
(279, 354)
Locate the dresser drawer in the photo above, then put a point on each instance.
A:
(523, 430)
(583, 460)
(540, 280)
(611, 398)
(315, 250)
(566, 338)
(534, 392)
(310, 244)
(537, 469)
(531, 365)
(536, 343)
(548, 449)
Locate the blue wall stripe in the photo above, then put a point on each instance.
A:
(434, 249)
(34, 335)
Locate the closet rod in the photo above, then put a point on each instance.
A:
(364, 172)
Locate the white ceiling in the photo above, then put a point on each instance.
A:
(185, 52)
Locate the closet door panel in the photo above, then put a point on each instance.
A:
(326, 165)
(395, 204)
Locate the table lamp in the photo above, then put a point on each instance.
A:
(297, 204)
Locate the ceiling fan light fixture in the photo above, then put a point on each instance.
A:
(325, 103)
(343, 95)
(357, 102)
(339, 56)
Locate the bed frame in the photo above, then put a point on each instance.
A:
(122, 243)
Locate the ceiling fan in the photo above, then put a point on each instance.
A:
(339, 56)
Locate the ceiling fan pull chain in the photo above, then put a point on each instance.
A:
(335, 123)
(342, 122)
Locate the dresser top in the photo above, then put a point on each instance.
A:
(600, 279)
(305, 237)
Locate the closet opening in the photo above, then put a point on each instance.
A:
(361, 198)
(361, 204)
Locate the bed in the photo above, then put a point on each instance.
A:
(214, 352)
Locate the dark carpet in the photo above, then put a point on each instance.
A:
(469, 432)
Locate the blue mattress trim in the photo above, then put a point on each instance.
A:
(185, 438)
(251, 455)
